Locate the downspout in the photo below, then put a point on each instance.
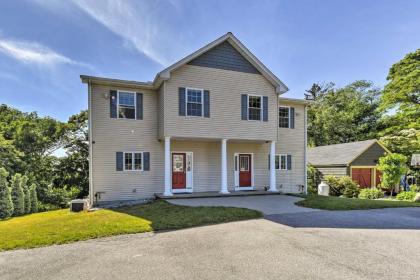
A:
(305, 151)
(91, 194)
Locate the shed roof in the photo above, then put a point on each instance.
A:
(339, 154)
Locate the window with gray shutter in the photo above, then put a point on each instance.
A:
(146, 159)
(139, 106)
(119, 161)
(181, 99)
(265, 108)
(244, 107)
(113, 104)
(289, 162)
(206, 104)
(292, 117)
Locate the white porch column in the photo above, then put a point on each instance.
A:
(223, 187)
(168, 186)
(273, 167)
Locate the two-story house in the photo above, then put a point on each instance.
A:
(213, 121)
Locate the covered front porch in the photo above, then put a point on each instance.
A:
(218, 167)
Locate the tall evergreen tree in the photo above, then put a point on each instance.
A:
(34, 199)
(27, 194)
(18, 195)
(6, 204)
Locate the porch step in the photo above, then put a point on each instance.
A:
(214, 194)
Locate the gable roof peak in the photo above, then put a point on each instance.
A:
(279, 85)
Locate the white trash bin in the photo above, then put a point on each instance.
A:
(323, 189)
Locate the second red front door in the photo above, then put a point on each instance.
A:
(245, 175)
(178, 171)
(362, 176)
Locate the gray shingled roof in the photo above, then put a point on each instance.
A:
(338, 154)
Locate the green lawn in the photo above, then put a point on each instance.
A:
(338, 203)
(62, 226)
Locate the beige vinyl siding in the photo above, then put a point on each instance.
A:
(161, 108)
(225, 89)
(113, 135)
(338, 171)
(292, 141)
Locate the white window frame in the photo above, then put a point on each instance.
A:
(278, 117)
(280, 155)
(132, 161)
(186, 102)
(118, 104)
(261, 109)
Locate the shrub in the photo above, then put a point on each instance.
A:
(407, 196)
(61, 196)
(350, 188)
(17, 195)
(6, 203)
(44, 207)
(371, 193)
(26, 193)
(335, 187)
(34, 199)
(415, 188)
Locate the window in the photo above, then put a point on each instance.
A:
(281, 162)
(284, 117)
(254, 107)
(126, 105)
(133, 161)
(194, 102)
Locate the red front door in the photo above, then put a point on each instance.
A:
(178, 171)
(245, 170)
(362, 176)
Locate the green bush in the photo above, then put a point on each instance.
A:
(27, 194)
(18, 196)
(415, 188)
(373, 193)
(6, 203)
(44, 207)
(335, 187)
(61, 196)
(407, 196)
(351, 189)
(34, 199)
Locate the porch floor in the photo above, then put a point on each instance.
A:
(214, 194)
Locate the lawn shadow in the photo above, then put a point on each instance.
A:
(389, 218)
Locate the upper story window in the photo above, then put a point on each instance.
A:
(194, 102)
(126, 105)
(133, 161)
(254, 107)
(284, 117)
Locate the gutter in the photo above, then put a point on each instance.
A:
(90, 142)
(305, 158)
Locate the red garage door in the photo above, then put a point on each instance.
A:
(362, 176)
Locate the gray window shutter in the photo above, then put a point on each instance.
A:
(268, 161)
(244, 107)
(289, 162)
(119, 161)
(113, 103)
(146, 161)
(206, 104)
(265, 108)
(139, 106)
(181, 94)
(292, 117)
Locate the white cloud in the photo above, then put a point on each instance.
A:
(34, 53)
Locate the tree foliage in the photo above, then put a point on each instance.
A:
(6, 203)
(18, 196)
(392, 166)
(34, 199)
(341, 115)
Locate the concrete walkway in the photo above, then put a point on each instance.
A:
(269, 205)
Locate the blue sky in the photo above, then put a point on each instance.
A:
(46, 45)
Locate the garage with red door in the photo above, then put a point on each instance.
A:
(363, 176)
